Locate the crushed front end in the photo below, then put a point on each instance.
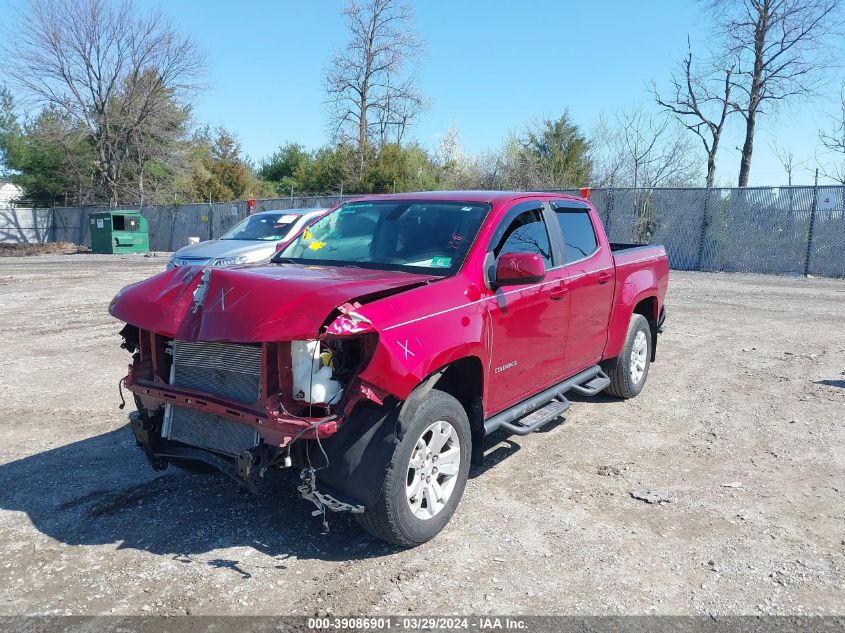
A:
(243, 408)
(254, 367)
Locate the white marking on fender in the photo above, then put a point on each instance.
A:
(405, 347)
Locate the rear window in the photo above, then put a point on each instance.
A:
(578, 234)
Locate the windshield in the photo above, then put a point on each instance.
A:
(418, 236)
(266, 226)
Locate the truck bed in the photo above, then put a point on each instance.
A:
(624, 253)
(616, 247)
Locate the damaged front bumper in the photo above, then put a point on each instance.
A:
(244, 408)
(247, 469)
(272, 424)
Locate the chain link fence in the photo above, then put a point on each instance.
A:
(786, 230)
(171, 225)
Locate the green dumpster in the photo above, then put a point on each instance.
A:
(119, 232)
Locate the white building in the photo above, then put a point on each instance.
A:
(9, 193)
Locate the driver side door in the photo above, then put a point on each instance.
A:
(527, 323)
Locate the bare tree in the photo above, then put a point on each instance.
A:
(786, 157)
(833, 170)
(399, 111)
(158, 157)
(606, 153)
(108, 67)
(701, 101)
(368, 95)
(654, 154)
(780, 47)
(834, 142)
(644, 151)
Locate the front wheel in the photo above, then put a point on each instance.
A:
(629, 370)
(427, 474)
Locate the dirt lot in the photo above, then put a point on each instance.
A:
(742, 422)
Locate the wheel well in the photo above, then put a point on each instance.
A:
(648, 308)
(463, 380)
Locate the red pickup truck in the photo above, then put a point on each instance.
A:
(379, 347)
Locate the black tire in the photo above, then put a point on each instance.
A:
(619, 369)
(390, 517)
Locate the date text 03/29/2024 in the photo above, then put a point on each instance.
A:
(418, 623)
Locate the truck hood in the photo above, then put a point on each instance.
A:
(249, 303)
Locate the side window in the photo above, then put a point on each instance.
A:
(527, 234)
(578, 234)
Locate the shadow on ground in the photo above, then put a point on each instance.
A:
(832, 383)
(601, 398)
(101, 490)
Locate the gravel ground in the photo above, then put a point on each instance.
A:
(740, 426)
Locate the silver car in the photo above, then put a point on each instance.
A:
(255, 239)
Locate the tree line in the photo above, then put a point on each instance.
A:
(55, 160)
(111, 88)
(764, 54)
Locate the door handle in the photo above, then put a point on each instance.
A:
(558, 293)
(604, 277)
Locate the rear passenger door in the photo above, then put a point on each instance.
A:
(589, 276)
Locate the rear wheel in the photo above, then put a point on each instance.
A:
(427, 474)
(629, 370)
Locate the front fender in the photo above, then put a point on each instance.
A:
(407, 354)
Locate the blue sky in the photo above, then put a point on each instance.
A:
(489, 68)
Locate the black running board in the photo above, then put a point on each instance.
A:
(595, 385)
(538, 418)
(586, 383)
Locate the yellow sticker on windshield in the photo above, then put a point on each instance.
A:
(307, 235)
(315, 246)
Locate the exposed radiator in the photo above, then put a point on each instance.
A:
(203, 430)
(227, 370)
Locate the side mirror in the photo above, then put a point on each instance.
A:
(519, 268)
